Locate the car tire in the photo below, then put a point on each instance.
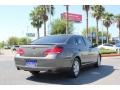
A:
(98, 63)
(34, 73)
(75, 69)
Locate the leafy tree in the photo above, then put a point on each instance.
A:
(86, 8)
(13, 41)
(2, 44)
(93, 29)
(97, 13)
(117, 20)
(59, 27)
(107, 21)
(24, 41)
(90, 30)
(18, 41)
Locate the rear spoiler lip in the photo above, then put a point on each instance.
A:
(48, 44)
(45, 44)
(55, 44)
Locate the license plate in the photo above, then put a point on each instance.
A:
(31, 63)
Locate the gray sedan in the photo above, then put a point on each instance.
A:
(57, 53)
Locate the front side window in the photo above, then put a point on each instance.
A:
(88, 42)
(80, 41)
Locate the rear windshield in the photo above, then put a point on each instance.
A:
(50, 40)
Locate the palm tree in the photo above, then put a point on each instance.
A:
(86, 8)
(108, 18)
(46, 9)
(117, 19)
(39, 16)
(97, 14)
(36, 19)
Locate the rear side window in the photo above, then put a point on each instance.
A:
(72, 41)
(51, 40)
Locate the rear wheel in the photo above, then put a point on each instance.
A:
(34, 73)
(75, 70)
(98, 63)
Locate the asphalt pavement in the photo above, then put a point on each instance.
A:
(107, 74)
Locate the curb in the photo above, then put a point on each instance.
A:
(109, 55)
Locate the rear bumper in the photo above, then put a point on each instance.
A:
(43, 64)
(52, 69)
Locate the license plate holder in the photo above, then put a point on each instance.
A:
(31, 63)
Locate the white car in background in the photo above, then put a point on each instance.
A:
(108, 46)
(15, 47)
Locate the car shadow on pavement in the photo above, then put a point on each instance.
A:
(87, 76)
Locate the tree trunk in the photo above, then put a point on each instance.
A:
(87, 24)
(107, 36)
(44, 28)
(97, 32)
(38, 33)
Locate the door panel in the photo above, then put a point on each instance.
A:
(92, 52)
(83, 50)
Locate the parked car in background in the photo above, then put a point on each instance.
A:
(115, 47)
(7, 47)
(15, 47)
(57, 53)
(107, 46)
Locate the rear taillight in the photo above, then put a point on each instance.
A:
(55, 50)
(20, 51)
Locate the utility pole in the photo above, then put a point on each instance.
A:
(50, 19)
(67, 23)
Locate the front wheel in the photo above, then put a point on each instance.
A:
(98, 63)
(75, 70)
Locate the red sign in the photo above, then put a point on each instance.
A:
(72, 17)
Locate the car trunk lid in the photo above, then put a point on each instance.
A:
(36, 50)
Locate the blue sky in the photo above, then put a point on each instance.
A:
(14, 20)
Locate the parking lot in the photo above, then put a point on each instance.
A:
(107, 74)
